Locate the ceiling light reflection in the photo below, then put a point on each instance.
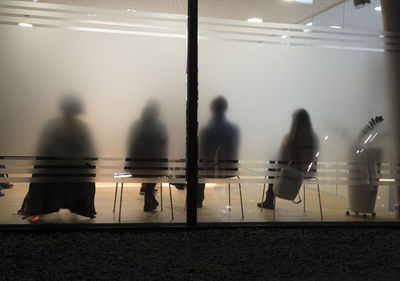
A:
(254, 20)
(301, 1)
(24, 24)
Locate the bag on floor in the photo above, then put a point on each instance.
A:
(288, 184)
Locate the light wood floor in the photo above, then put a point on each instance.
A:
(215, 207)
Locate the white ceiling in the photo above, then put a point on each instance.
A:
(269, 10)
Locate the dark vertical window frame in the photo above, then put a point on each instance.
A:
(191, 113)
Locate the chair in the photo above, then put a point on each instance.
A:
(229, 196)
(240, 194)
(161, 196)
(306, 179)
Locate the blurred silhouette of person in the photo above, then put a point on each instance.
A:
(64, 147)
(218, 146)
(147, 151)
(4, 184)
(299, 148)
(1, 184)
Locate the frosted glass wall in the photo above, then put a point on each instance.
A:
(264, 84)
(80, 82)
(115, 75)
(346, 15)
(268, 71)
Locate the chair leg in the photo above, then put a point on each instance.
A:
(120, 202)
(170, 199)
(319, 198)
(161, 196)
(241, 200)
(273, 212)
(262, 196)
(115, 196)
(304, 197)
(229, 200)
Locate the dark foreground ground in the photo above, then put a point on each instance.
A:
(209, 254)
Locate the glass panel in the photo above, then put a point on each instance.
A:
(267, 72)
(101, 92)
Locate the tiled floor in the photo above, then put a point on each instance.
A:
(215, 207)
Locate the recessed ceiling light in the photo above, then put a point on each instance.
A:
(301, 1)
(24, 24)
(379, 8)
(309, 24)
(131, 10)
(335, 26)
(284, 36)
(254, 20)
(91, 15)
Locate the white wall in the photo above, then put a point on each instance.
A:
(264, 84)
(114, 74)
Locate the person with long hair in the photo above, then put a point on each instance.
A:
(298, 148)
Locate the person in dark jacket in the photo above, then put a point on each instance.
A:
(64, 148)
(147, 151)
(298, 148)
(218, 146)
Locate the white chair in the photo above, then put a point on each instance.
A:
(161, 196)
(229, 196)
(306, 180)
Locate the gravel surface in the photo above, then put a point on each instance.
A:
(208, 254)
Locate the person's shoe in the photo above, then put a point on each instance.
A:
(150, 201)
(180, 186)
(1, 194)
(268, 203)
(265, 205)
(6, 185)
(22, 212)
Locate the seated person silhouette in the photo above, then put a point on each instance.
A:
(4, 184)
(298, 148)
(147, 151)
(64, 146)
(218, 146)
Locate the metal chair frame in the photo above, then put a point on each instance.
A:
(306, 178)
(240, 194)
(229, 196)
(161, 198)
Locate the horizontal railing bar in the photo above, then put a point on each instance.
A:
(364, 184)
(89, 10)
